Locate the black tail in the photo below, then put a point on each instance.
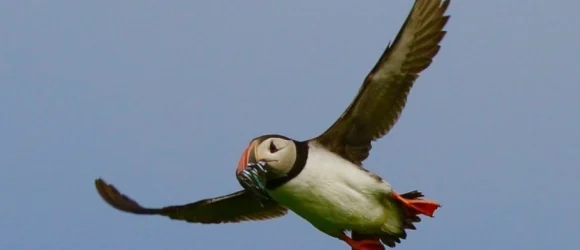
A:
(391, 239)
(409, 221)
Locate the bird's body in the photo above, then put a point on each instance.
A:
(335, 196)
(322, 179)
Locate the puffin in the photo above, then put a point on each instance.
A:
(322, 179)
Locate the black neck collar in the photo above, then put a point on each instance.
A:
(301, 156)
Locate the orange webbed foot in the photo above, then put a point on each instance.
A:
(374, 244)
(418, 206)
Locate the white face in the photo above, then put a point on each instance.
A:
(280, 154)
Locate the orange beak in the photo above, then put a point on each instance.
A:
(247, 156)
(252, 179)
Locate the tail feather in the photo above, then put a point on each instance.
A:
(409, 220)
(391, 239)
(415, 194)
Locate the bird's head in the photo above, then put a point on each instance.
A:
(266, 157)
(277, 152)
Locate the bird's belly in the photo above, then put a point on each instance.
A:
(344, 209)
(336, 199)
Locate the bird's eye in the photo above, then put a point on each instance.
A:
(273, 148)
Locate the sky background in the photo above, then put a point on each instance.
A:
(160, 97)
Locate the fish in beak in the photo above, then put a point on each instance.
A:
(251, 172)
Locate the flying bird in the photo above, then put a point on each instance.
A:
(322, 179)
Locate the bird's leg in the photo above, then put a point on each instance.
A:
(417, 205)
(367, 244)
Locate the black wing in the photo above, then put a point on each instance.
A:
(383, 94)
(236, 207)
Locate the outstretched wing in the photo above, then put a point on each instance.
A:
(383, 94)
(236, 207)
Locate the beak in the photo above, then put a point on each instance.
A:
(251, 178)
(248, 156)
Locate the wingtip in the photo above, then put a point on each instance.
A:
(116, 199)
(102, 188)
(100, 185)
(98, 182)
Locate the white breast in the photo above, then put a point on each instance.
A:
(334, 194)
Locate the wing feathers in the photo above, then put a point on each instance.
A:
(235, 207)
(383, 94)
(120, 201)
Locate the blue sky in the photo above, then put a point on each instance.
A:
(160, 98)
